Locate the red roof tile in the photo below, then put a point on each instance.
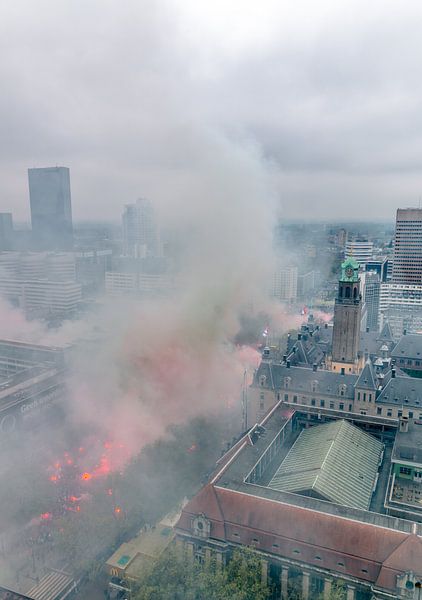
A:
(368, 552)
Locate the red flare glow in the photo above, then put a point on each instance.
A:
(86, 476)
(117, 510)
(46, 516)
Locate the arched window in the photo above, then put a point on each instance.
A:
(347, 292)
(355, 293)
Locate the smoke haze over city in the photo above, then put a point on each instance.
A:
(127, 95)
(210, 326)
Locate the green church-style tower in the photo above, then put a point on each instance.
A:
(347, 319)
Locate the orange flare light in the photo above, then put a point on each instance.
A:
(86, 476)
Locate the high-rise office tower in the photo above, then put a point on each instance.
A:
(140, 230)
(407, 262)
(51, 210)
(284, 284)
(372, 299)
(361, 249)
(347, 319)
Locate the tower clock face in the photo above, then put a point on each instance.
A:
(349, 272)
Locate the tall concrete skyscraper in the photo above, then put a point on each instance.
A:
(407, 263)
(347, 319)
(140, 230)
(51, 209)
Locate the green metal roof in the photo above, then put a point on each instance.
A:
(337, 461)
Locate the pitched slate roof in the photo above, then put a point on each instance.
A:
(367, 379)
(386, 334)
(401, 390)
(409, 346)
(303, 379)
(337, 461)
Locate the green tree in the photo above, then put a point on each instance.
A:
(175, 577)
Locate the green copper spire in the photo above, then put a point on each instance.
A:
(349, 270)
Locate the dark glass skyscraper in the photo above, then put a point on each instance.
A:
(51, 209)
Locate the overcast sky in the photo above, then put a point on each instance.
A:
(329, 93)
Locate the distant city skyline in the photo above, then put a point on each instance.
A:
(325, 95)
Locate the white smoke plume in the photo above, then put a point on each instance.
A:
(162, 362)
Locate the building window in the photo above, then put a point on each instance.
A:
(410, 414)
(364, 570)
(322, 403)
(405, 471)
(261, 405)
(286, 397)
(350, 407)
(318, 558)
(389, 413)
(275, 545)
(363, 412)
(262, 396)
(331, 405)
(295, 399)
(370, 398)
(313, 402)
(296, 551)
(341, 406)
(379, 410)
(399, 413)
(358, 395)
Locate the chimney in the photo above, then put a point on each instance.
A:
(288, 364)
(393, 373)
(342, 370)
(314, 367)
(404, 424)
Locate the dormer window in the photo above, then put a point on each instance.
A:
(314, 385)
(201, 526)
(287, 381)
(262, 380)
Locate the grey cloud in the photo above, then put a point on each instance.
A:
(122, 94)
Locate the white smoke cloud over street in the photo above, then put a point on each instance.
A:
(163, 361)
